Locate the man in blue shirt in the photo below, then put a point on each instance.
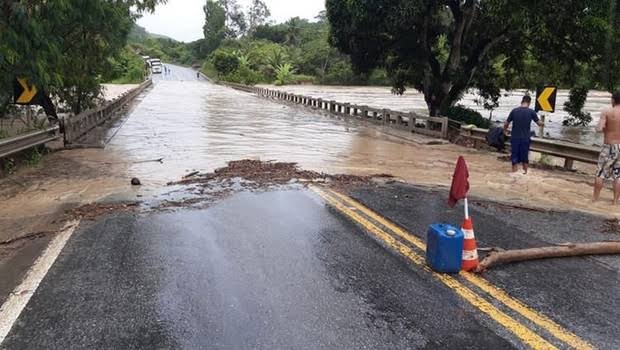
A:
(521, 118)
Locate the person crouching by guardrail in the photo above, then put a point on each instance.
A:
(520, 139)
(609, 159)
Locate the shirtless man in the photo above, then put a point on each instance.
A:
(609, 160)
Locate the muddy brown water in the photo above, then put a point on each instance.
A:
(198, 126)
(414, 101)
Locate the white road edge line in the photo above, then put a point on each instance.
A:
(18, 299)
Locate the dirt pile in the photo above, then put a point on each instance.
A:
(94, 210)
(269, 173)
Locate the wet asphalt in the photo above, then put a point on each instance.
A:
(582, 294)
(272, 270)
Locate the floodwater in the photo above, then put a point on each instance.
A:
(414, 101)
(200, 126)
(195, 125)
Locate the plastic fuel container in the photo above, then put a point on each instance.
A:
(444, 248)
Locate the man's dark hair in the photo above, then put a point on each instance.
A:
(527, 99)
(616, 98)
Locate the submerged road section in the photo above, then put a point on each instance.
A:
(324, 262)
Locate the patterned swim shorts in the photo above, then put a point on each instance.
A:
(609, 162)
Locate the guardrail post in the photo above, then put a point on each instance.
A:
(568, 164)
(386, 117)
(444, 128)
(411, 121)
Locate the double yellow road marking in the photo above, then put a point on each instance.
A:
(365, 217)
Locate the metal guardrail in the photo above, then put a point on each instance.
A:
(413, 122)
(571, 152)
(77, 126)
(23, 142)
(74, 126)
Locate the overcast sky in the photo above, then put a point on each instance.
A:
(183, 19)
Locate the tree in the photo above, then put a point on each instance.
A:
(235, 18)
(442, 47)
(258, 14)
(574, 106)
(215, 25)
(63, 46)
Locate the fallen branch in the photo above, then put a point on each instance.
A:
(497, 257)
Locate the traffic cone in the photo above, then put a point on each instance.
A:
(470, 249)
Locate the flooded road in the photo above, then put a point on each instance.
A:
(198, 126)
(414, 101)
(194, 125)
(287, 265)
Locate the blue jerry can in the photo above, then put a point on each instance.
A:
(444, 248)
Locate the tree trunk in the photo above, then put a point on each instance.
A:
(559, 251)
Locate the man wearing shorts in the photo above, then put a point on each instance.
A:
(609, 159)
(520, 139)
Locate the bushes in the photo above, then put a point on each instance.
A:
(467, 116)
(127, 68)
(574, 106)
(244, 75)
(284, 74)
(225, 62)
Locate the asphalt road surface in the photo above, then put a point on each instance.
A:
(299, 273)
(309, 268)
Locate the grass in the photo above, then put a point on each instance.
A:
(32, 157)
(210, 71)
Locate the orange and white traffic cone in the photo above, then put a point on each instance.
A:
(470, 249)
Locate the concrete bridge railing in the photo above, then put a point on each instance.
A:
(570, 152)
(413, 122)
(78, 125)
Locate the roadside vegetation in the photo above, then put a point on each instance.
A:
(446, 48)
(442, 49)
(67, 47)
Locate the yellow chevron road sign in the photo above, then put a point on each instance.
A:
(25, 94)
(545, 99)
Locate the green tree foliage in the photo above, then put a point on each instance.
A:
(225, 62)
(442, 48)
(258, 14)
(298, 43)
(63, 46)
(284, 74)
(236, 23)
(574, 106)
(215, 25)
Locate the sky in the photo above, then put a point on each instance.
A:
(183, 19)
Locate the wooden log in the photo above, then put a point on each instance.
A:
(560, 251)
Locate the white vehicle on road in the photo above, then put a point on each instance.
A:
(156, 66)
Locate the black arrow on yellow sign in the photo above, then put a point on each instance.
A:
(26, 94)
(545, 99)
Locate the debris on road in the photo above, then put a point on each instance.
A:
(135, 182)
(612, 226)
(269, 173)
(193, 173)
(497, 256)
(95, 210)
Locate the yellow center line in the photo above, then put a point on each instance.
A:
(526, 335)
(537, 318)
